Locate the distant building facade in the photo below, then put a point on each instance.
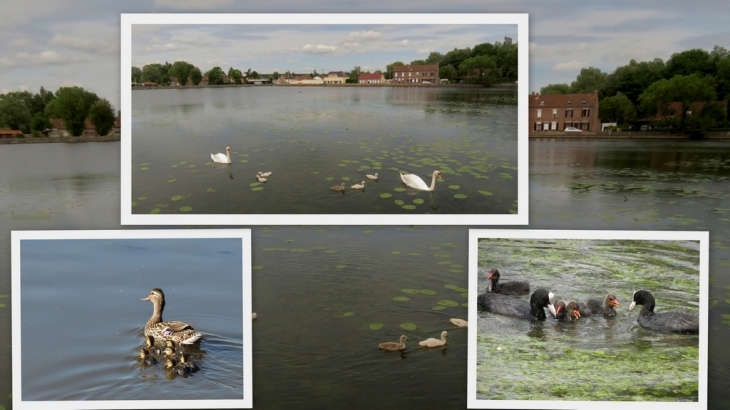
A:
(335, 77)
(416, 74)
(555, 112)
(374, 78)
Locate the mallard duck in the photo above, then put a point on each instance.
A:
(431, 342)
(184, 361)
(155, 350)
(339, 187)
(177, 332)
(265, 174)
(372, 176)
(172, 367)
(393, 346)
(145, 358)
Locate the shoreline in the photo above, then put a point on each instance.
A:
(193, 87)
(719, 135)
(55, 140)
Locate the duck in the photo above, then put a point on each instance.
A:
(150, 341)
(265, 174)
(394, 346)
(338, 187)
(260, 179)
(172, 352)
(178, 332)
(145, 358)
(172, 367)
(414, 181)
(222, 158)
(431, 342)
(459, 322)
(372, 176)
(676, 322)
(190, 366)
(361, 185)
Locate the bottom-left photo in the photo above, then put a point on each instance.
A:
(125, 319)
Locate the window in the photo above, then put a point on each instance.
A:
(553, 126)
(539, 113)
(586, 112)
(555, 113)
(537, 126)
(542, 102)
(569, 113)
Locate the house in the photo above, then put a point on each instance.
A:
(204, 80)
(58, 128)
(257, 81)
(555, 112)
(9, 133)
(335, 77)
(174, 82)
(149, 84)
(367, 78)
(416, 74)
(285, 79)
(676, 108)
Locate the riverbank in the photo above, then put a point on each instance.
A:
(40, 140)
(187, 87)
(636, 135)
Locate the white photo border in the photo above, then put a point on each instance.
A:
(476, 234)
(16, 242)
(520, 218)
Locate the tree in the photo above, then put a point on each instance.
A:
(196, 76)
(695, 61)
(39, 122)
(275, 76)
(686, 89)
(389, 69)
(633, 79)
(456, 56)
(14, 114)
(235, 75)
(418, 62)
(555, 89)
(484, 49)
(434, 58)
(73, 104)
(102, 115)
(136, 75)
(181, 70)
(723, 78)
(618, 109)
(254, 74)
(354, 73)
(151, 72)
(448, 72)
(215, 76)
(483, 65)
(588, 81)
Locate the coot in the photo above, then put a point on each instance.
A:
(595, 307)
(665, 321)
(507, 306)
(507, 288)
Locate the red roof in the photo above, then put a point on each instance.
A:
(368, 76)
(563, 100)
(58, 123)
(9, 133)
(426, 67)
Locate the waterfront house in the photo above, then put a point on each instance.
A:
(416, 74)
(9, 133)
(367, 78)
(335, 77)
(174, 82)
(58, 128)
(555, 112)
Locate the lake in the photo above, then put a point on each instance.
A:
(299, 345)
(314, 138)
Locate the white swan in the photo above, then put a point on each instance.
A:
(222, 158)
(265, 174)
(459, 322)
(339, 187)
(431, 342)
(414, 181)
(393, 346)
(361, 185)
(372, 176)
(260, 179)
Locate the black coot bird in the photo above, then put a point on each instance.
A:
(506, 288)
(507, 306)
(596, 307)
(665, 321)
(568, 313)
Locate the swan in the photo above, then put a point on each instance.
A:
(393, 346)
(414, 181)
(459, 322)
(361, 185)
(431, 342)
(265, 174)
(253, 316)
(260, 179)
(221, 158)
(339, 187)
(372, 176)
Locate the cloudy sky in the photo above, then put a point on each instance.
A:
(54, 43)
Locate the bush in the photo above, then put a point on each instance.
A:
(19, 135)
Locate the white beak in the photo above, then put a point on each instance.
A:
(632, 305)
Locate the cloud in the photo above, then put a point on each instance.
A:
(569, 66)
(404, 42)
(163, 47)
(319, 49)
(193, 41)
(23, 87)
(83, 44)
(365, 35)
(47, 57)
(423, 51)
(193, 4)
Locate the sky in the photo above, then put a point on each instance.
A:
(56, 43)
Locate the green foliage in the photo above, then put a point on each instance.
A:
(618, 109)
(434, 58)
(695, 61)
(418, 62)
(354, 73)
(275, 76)
(14, 114)
(102, 115)
(589, 80)
(456, 56)
(195, 75)
(685, 89)
(555, 89)
(632, 79)
(152, 72)
(448, 72)
(39, 122)
(73, 104)
(181, 70)
(483, 65)
(215, 76)
(235, 75)
(136, 75)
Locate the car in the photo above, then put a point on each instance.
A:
(572, 129)
(426, 82)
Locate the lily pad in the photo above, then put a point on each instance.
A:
(459, 196)
(409, 207)
(348, 314)
(141, 198)
(341, 266)
(408, 326)
(385, 195)
(487, 193)
(428, 292)
(172, 180)
(186, 209)
(345, 178)
(144, 169)
(399, 202)
(177, 197)
(401, 298)
(410, 291)
(155, 211)
(439, 307)
(254, 184)
(399, 189)
(330, 178)
(448, 303)
(258, 188)
(210, 190)
(257, 267)
(454, 186)
(395, 252)
(418, 201)
(2, 305)
(376, 326)
(244, 161)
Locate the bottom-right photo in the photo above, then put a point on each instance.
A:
(587, 319)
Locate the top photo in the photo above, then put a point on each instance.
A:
(324, 119)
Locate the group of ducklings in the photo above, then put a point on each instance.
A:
(177, 361)
(361, 185)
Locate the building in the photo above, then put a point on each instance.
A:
(335, 77)
(174, 82)
(416, 74)
(555, 112)
(284, 79)
(9, 133)
(367, 78)
(58, 128)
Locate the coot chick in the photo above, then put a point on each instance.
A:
(665, 321)
(506, 288)
(567, 313)
(507, 306)
(595, 307)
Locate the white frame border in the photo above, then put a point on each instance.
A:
(521, 218)
(243, 234)
(476, 234)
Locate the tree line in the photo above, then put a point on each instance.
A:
(641, 90)
(31, 113)
(182, 71)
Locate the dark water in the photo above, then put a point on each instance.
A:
(595, 358)
(83, 320)
(669, 185)
(314, 138)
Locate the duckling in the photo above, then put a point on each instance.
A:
(155, 350)
(145, 358)
(260, 179)
(171, 367)
(265, 174)
(190, 366)
(172, 353)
